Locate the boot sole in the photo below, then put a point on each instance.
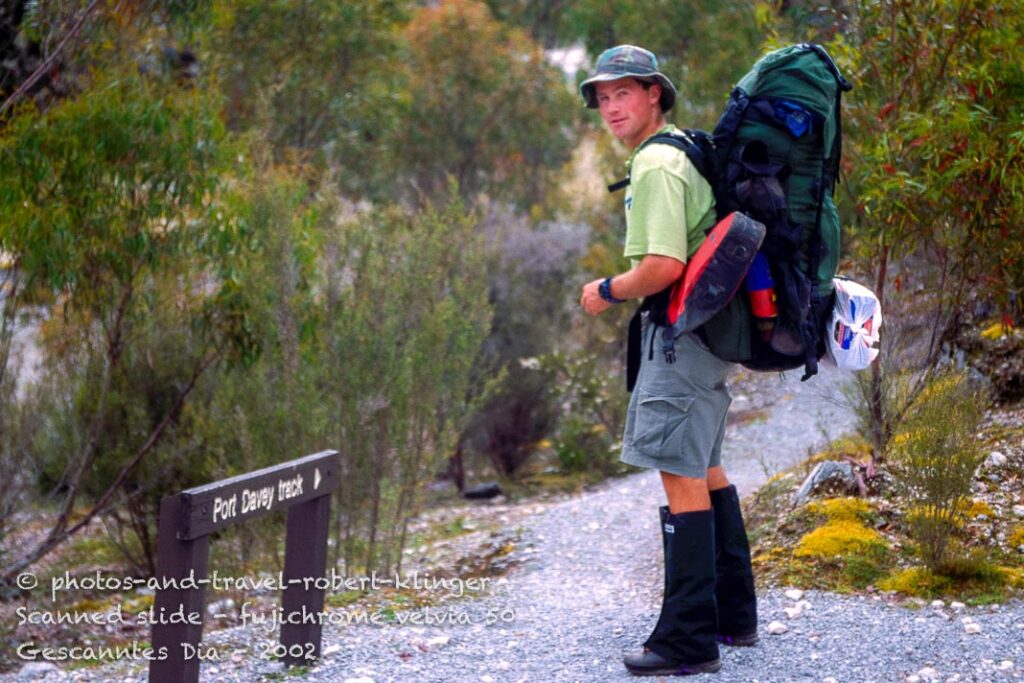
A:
(748, 640)
(679, 669)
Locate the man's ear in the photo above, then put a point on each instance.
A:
(654, 94)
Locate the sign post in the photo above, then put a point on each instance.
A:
(301, 486)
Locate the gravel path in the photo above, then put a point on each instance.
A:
(589, 590)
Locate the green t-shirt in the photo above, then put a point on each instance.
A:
(669, 205)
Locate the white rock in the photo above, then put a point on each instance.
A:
(486, 679)
(996, 459)
(331, 649)
(777, 628)
(792, 612)
(363, 679)
(1005, 665)
(829, 680)
(225, 607)
(972, 629)
(794, 594)
(439, 641)
(956, 604)
(502, 665)
(928, 673)
(1018, 510)
(938, 604)
(804, 605)
(36, 670)
(967, 620)
(913, 678)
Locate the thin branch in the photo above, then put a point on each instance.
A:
(55, 539)
(48, 63)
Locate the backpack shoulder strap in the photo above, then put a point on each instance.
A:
(695, 144)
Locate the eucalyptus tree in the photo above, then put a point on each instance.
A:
(115, 211)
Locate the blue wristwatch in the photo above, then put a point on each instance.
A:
(605, 290)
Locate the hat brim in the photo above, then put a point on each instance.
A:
(668, 91)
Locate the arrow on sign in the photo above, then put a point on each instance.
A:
(316, 478)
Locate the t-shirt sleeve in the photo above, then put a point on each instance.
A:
(658, 215)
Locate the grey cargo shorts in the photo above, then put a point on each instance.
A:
(676, 417)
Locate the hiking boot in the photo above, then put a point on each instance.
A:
(747, 640)
(648, 663)
(684, 638)
(734, 587)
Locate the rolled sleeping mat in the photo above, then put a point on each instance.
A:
(715, 272)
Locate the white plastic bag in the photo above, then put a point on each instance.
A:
(853, 327)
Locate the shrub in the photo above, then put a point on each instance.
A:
(590, 425)
(938, 453)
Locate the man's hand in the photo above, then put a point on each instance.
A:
(591, 300)
(653, 274)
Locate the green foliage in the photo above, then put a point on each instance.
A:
(704, 46)
(937, 120)
(529, 266)
(933, 151)
(588, 436)
(938, 453)
(973, 578)
(479, 103)
(114, 215)
(406, 310)
(309, 76)
(103, 186)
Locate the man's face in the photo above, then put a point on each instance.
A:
(630, 111)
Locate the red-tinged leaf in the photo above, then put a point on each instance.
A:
(885, 111)
(917, 142)
(889, 168)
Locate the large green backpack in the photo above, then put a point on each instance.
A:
(777, 148)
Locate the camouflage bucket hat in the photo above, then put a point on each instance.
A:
(628, 61)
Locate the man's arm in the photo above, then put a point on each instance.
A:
(653, 274)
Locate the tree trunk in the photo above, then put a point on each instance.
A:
(877, 409)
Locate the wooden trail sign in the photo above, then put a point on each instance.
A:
(301, 486)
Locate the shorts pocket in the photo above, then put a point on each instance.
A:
(661, 424)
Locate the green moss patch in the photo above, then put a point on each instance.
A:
(973, 579)
(1015, 539)
(840, 538)
(841, 509)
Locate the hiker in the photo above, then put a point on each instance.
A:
(677, 412)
